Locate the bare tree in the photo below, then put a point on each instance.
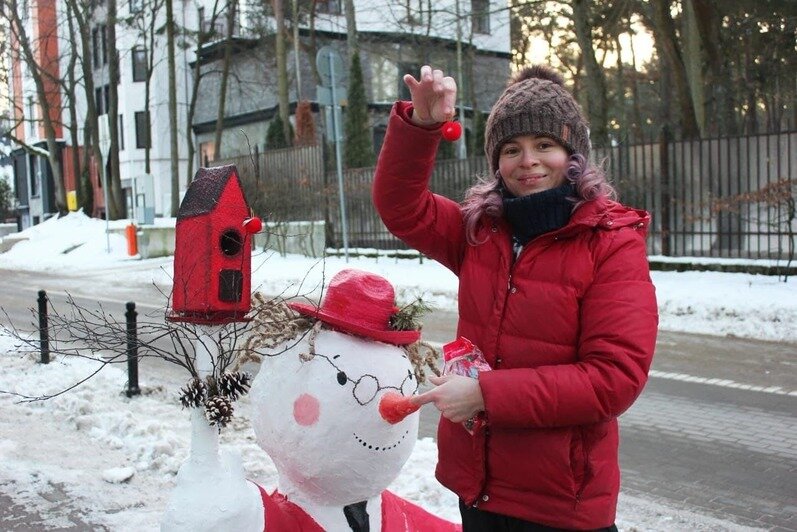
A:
(202, 37)
(595, 78)
(282, 70)
(116, 209)
(225, 72)
(173, 150)
(81, 12)
(352, 42)
(42, 66)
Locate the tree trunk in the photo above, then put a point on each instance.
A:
(174, 154)
(709, 21)
(73, 119)
(693, 62)
(594, 79)
(637, 112)
(115, 193)
(225, 76)
(282, 70)
(666, 43)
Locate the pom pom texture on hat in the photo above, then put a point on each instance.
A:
(536, 103)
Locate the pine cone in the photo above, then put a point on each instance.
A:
(193, 394)
(218, 411)
(234, 385)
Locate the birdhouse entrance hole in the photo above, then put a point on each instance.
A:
(231, 242)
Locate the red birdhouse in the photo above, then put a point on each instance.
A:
(213, 251)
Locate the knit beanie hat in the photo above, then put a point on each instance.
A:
(536, 102)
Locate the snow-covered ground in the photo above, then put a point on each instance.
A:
(94, 454)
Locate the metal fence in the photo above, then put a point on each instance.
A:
(723, 197)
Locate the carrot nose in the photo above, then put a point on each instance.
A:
(393, 407)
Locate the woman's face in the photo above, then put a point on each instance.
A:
(531, 164)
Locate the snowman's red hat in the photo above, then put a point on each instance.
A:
(360, 303)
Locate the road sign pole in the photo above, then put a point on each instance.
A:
(338, 164)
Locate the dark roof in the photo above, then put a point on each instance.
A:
(205, 190)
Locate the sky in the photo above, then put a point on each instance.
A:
(109, 460)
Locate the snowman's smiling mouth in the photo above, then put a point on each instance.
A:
(376, 447)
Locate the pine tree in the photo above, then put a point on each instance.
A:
(275, 136)
(358, 151)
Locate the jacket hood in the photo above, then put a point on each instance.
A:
(606, 214)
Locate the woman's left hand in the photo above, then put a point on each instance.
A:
(457, 398)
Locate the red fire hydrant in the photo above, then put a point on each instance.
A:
(132, 240)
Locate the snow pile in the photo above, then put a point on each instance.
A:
(74, 240)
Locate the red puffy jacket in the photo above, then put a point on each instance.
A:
(569, 328)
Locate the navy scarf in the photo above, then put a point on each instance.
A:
(536, 214)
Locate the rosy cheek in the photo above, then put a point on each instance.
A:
(306, 409)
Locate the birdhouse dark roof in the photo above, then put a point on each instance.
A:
(205, 190)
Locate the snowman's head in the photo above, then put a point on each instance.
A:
(316, 397)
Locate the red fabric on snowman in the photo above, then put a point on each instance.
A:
(398, 515)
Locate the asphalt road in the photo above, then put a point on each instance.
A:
(715, 431)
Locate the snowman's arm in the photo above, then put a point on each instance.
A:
(212, 495)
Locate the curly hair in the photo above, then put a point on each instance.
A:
(485, 198)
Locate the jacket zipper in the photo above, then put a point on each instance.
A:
(585, 458)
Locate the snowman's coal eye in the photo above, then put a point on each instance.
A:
(342, 378)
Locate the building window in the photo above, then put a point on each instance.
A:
(383, 80)
(121, 132)
(31, 118)
(33, 177)
(379, 138)
(142, 130)
(99, 45)
(406, 68)
(104, 35)
(102, 96)
(329, 7)
(480, 16)
(207, 153)
(139, 64)
(98, 101)
(95, 46)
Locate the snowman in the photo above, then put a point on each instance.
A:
(330, 408)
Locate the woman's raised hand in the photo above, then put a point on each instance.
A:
(433, 96)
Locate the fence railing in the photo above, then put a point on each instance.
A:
(724, 197)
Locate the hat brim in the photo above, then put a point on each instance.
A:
(388, 337)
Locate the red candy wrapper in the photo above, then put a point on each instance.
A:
(461, 357)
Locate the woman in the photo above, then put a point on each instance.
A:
(554, 288)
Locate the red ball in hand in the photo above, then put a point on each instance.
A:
(452, 131)
(253, 225)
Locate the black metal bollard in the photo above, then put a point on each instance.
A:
(44, 333)
(132, 351)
